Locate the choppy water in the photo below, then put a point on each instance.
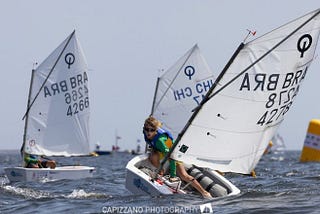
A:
(283, 185)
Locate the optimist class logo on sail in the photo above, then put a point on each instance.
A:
(196, 89)
(281, 88)
(74, 89)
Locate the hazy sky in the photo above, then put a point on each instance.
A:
(126, 43)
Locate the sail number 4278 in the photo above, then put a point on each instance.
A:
(282, 101)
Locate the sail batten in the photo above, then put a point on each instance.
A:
(251, 99)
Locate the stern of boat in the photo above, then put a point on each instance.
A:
(16, 174)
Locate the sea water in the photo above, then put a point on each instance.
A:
(282, 185)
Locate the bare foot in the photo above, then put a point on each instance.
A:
(174, 179)
(206, 195)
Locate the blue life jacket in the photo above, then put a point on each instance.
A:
(33, 156)
(160, 131)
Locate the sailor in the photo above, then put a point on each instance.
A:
(33, 161)
(160, 141)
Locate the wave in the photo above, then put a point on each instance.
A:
(80, 193)
(30, 193)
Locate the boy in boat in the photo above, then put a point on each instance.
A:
(161, 141)
(33, 161)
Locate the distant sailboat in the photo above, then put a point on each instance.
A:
(242, 111)
(57, 116)
(275, 144)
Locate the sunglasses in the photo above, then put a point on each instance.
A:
(149, 129)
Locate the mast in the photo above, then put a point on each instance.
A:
(155, 96)
(116, 148)
(116, 140)
(152, 108)
(27, 117)
(54, 65)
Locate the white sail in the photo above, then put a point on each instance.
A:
(58, 116)
(180, 89)
(244, 109)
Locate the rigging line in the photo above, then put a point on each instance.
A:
(192, 50)
(54, 65)
(264, 55)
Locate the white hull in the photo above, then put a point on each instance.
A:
(16, 174)
(139, 182)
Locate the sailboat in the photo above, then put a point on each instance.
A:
(242, 111)
(178, 92)
(181, 89)
(57, 116)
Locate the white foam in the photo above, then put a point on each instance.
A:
(26, 192)
(80, 193)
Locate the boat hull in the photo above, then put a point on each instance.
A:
(101, 152)
(16, 174)
(139, 182)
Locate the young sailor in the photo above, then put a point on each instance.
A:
(160, 141)
(32, 161)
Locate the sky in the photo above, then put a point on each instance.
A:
(127, 43)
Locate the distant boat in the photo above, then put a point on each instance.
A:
(138, 150)
(103, 152)
(242, 111)
(114, 148)
(98, 151)
(57, 116)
